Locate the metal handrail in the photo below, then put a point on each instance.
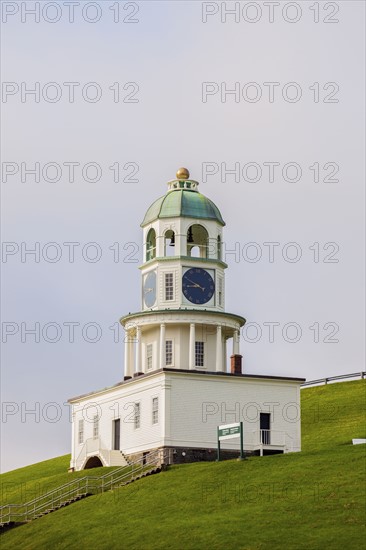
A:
(75, 481)
(72, 490)
(360, 375)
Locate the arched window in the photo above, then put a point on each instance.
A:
(197, 241)
(219, 247)
(151, 245)
(169, 243)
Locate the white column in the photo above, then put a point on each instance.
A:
(126, 353)
(130, 357)
(236, 350)
(138, 350)
(192, 345)
(218, 349)
(182, 243)
(224, 355)
(162, 345)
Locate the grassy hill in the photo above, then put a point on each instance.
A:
(27, 483)
(309, 500)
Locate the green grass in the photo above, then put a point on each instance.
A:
(333, 415)
(309, 500)
(27, 483)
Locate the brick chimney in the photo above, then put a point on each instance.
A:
(236, 364)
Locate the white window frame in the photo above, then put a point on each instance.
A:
(169, 290)
(172, 352)
(149, 348)
(81, 432)
(155, 410)
(137, 415)
(199, 354)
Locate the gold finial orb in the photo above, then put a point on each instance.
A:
(182, 174)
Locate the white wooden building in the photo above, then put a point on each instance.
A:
(177, 388)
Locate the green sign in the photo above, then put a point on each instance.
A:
(229, 431)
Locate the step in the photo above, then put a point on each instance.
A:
(4, 525)
(7, 524)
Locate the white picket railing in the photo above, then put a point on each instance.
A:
(254, 439)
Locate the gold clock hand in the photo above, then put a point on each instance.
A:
(196, 285)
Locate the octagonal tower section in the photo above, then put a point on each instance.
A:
(182, 323)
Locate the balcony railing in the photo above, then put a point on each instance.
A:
(265, 437)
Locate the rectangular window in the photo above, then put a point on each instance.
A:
(81, 431)
(136, 420)
(200, 352)
(168, 352)
(149, 356)
(95, 427)
(116, 434)
(155, 410)
(169, 290)
(220, 291)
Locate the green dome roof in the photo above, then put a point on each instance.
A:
(183, 203)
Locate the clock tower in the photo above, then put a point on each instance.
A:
(182, 323)
(177, 388)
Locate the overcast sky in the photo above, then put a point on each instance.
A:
(144, 88)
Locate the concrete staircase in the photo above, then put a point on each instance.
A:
(118, 458)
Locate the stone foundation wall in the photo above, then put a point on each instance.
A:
(184, 455)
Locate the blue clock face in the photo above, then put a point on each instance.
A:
(150, 289)
(198, 285)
